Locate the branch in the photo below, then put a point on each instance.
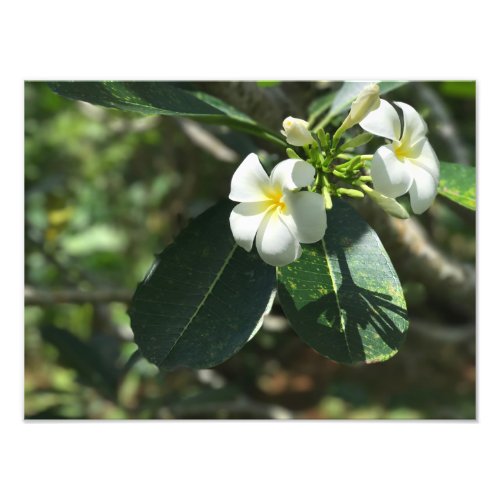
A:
(447, 128)
(269, 106)
(442, 332)
(241, 407)
(48, 297)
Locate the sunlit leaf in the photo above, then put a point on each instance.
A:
(458, 183)
(343, 296)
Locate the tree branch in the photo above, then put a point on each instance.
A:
(269, 106)
(442, 332)
(37, 297)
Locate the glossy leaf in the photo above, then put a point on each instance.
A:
(164, 98)
(204, 297)
(343, 296)
(458, 183)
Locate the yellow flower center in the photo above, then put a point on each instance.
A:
(276, 198)
(402, 151)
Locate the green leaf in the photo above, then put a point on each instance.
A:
(343, 296)
(341, 99)
(459, 89)
(458, 183)
(268, 83)
(203, 298)
(163, 98)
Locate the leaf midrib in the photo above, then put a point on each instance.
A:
(202, 302)
(337, 297)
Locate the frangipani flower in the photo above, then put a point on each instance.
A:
(408, 164)
(296, 131)
(273, 211)
(367, 101)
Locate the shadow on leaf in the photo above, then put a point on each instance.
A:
(369, 326)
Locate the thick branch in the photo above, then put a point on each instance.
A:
(269, 106)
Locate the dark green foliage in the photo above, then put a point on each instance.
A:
(163, 98)
(204, 297)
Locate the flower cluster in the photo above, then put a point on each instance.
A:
(278, 214)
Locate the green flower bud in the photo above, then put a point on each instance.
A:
(388, 205)
(353, 193)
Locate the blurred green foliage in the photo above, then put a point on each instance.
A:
(104, 190)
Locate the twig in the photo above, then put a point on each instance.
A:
(446, 128)
(242, 407)
(207, 141)
(47, 297)
(441, 332)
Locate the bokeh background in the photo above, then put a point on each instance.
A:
(105, 190)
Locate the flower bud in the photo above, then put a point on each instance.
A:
(353, 193)
(388, 205)
(367, 101)
(296, 131)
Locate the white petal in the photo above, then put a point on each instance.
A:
(383, 121)
(305, 215)
(414, 126)
(250, 181)
(423, 190)
(427, 158)
(390, 175)
(292, 174)
(245, 219)
(276, 245)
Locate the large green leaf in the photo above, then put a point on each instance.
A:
(164, 98)
(342, 296)
(458, 183)
(204, 297)
(340, 100)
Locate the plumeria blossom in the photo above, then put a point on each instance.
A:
(273, 211)
(296, 131)
(367, 101)
(408, 164)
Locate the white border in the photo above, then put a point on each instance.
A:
(257, 40)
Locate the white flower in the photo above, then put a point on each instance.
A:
(296, 131)
(273, 211)
(367, 101)
(408, 164)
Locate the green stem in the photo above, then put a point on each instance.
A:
(323, 122)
